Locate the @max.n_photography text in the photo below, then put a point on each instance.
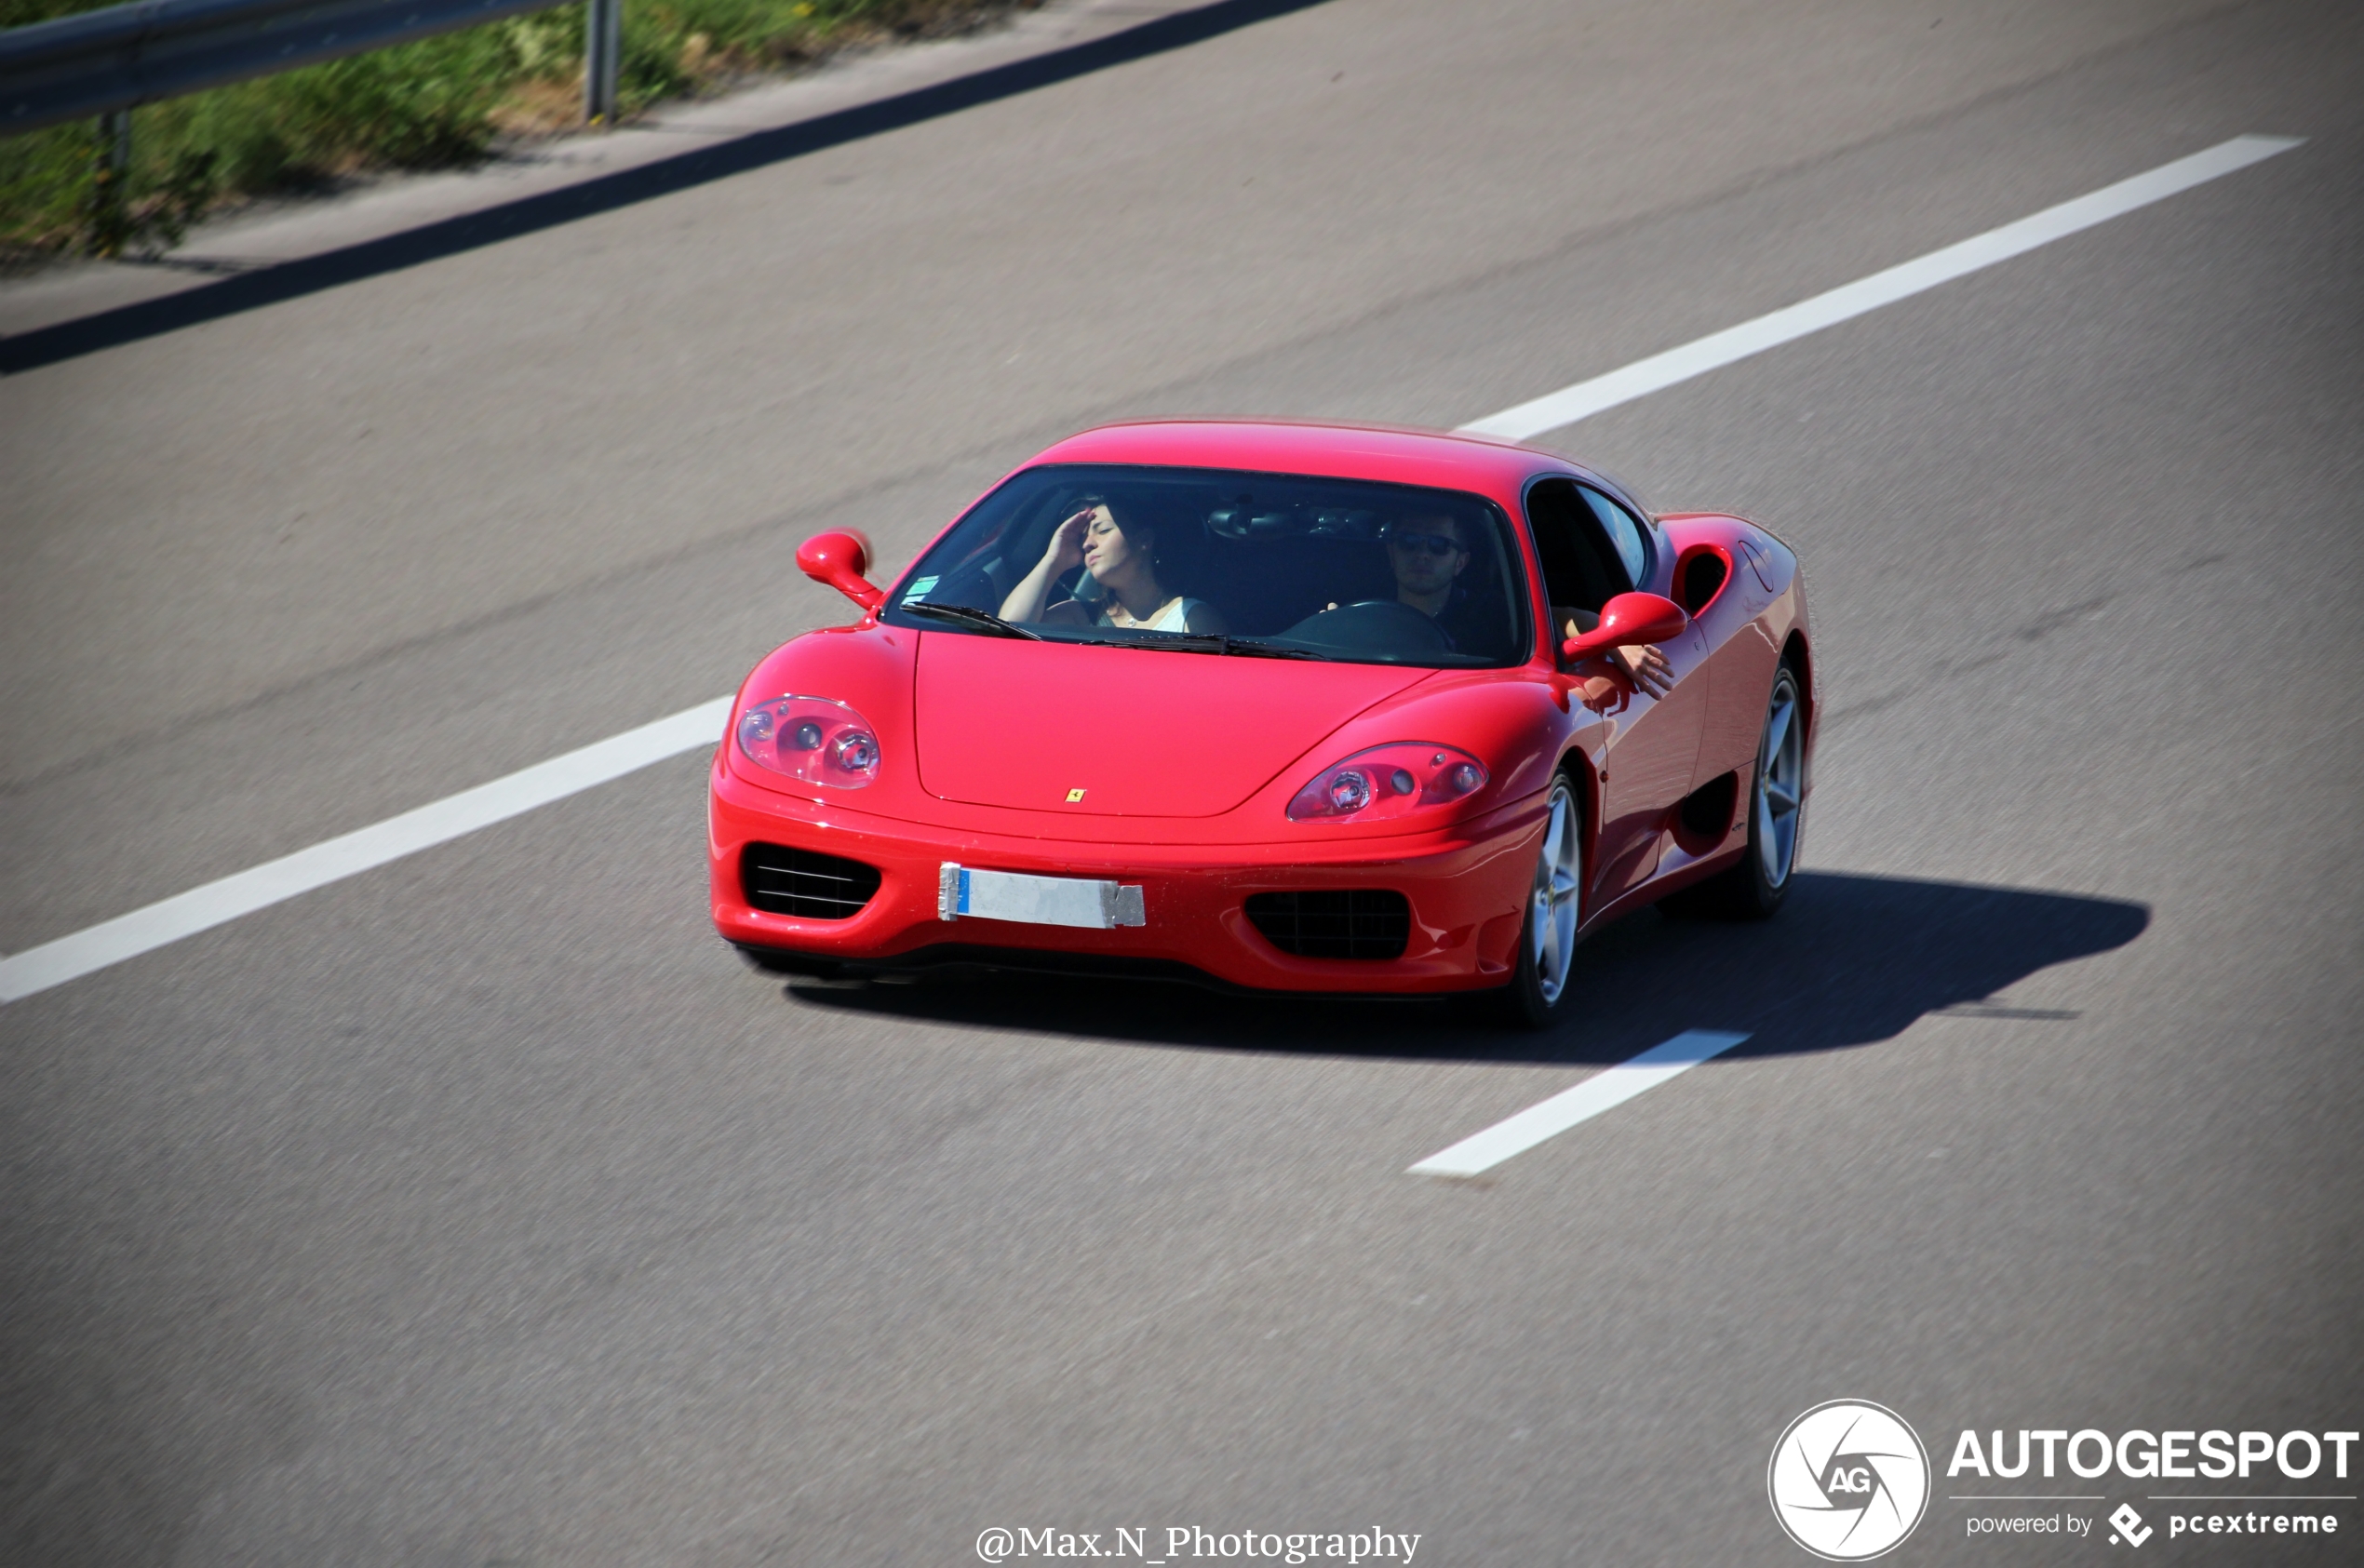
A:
(1159, 1543)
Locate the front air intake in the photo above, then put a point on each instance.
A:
(809, 885)
(1342, 924)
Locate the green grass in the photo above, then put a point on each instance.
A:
(434, 105)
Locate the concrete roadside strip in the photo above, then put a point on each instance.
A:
(277, 235)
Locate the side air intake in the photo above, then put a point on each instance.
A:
(809, 885)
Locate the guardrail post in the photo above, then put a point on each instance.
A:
(110, 218)
(603, 54)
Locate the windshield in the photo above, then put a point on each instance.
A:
(1205, 560)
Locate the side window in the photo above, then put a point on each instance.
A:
(1580, 569)
(1625, 534)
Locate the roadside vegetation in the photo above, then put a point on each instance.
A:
(439, 104)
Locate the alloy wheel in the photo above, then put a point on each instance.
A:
(1552, 911)
(1780, 783)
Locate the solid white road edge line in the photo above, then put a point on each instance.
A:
(1603, 1091)
(1643, 376)
(54, 963)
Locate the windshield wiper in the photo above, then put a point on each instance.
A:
(1254, 649)
(1219, 642)
(965, 616)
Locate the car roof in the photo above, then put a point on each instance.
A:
(1392, 454)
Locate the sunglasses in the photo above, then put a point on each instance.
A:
(1426, 544)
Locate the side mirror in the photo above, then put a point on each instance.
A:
(1629, 618)
(840, 560)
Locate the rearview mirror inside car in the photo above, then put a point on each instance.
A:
(1628, 619)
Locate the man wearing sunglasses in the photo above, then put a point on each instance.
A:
(1427, 553)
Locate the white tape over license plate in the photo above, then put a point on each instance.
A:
(1036, 901)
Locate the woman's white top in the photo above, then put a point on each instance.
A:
(1174, 616)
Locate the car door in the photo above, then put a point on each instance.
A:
(1591, 550)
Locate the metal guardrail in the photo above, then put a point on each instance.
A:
(105, 61)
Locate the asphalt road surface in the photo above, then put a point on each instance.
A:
(482, 1209)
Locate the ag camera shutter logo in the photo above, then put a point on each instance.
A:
(1848, 1481)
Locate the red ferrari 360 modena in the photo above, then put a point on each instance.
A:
(1283, 706)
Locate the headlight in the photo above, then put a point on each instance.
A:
(812, 739)
(1390, 781)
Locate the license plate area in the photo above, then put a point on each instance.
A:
(966, 892)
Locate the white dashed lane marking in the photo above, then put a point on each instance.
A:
(111, 942)
(1605, 1090)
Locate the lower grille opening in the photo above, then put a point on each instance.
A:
(1356, 924)
(805, 883)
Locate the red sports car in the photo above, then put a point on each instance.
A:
(1283, 706)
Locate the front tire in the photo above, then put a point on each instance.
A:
(1753, 888)
(1538, 986)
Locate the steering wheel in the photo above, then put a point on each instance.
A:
(1376, 625)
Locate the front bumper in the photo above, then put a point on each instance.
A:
(1467, 888)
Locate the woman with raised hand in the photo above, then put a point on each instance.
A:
(1118, 554)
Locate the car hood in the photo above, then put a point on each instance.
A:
(1123, 731)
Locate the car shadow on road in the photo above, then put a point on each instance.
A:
(1849, 960)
